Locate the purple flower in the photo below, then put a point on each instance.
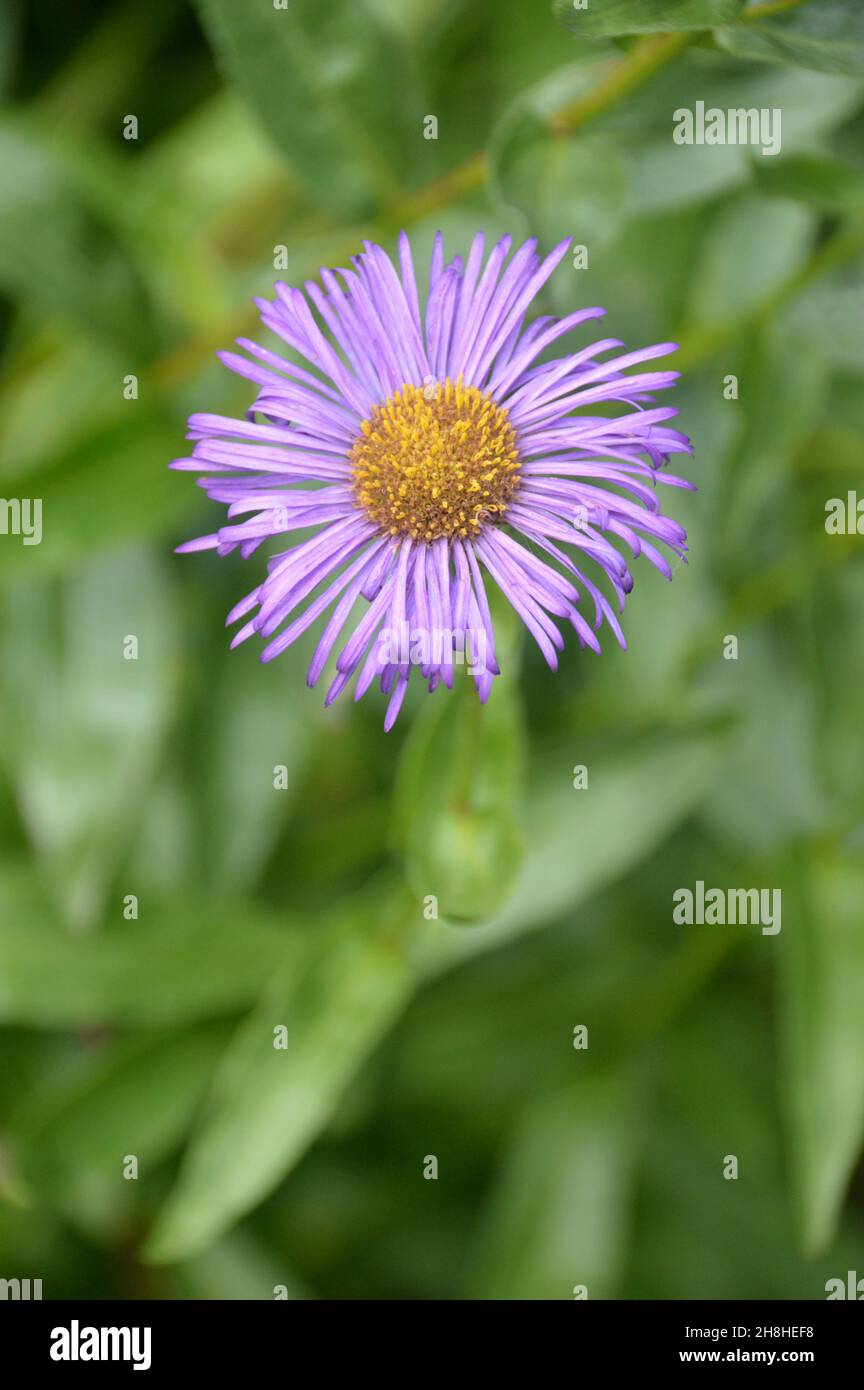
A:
(429, 450)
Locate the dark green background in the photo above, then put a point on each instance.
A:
(303, 907)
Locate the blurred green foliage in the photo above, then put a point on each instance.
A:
(302, 908)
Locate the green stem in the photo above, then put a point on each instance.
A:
(643, 60)
(768, 10)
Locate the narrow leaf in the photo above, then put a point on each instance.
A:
(823, 1039)
(828, 36)
(606, 18)
(334, 1001)
(315, 75)
(563, 1237)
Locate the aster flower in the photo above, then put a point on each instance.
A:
(430, 451)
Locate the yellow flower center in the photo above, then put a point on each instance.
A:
(435, 461)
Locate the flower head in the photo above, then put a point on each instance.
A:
(428, 451)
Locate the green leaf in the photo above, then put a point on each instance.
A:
(315, 75)
(177, 963)
(564, 185)
(458, 792)
(823, 1038)
(716, 1090)
(242, 1266)
(579, 841)
(256, 724)
(112, 485)
(811, 102)
(410, 18)
(558, 184)
(828, 36)
(61, 252)
(606, 18)
(583, 839)
(782, 394)
(136, 1100)
(83, 725)
(668, 176)
(838, 667)
(665, 175)
(114, 52)
(558, 1217)
(336, 1000)
(828, 318)
(770, 793)
(827, 183)
(752, 246)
